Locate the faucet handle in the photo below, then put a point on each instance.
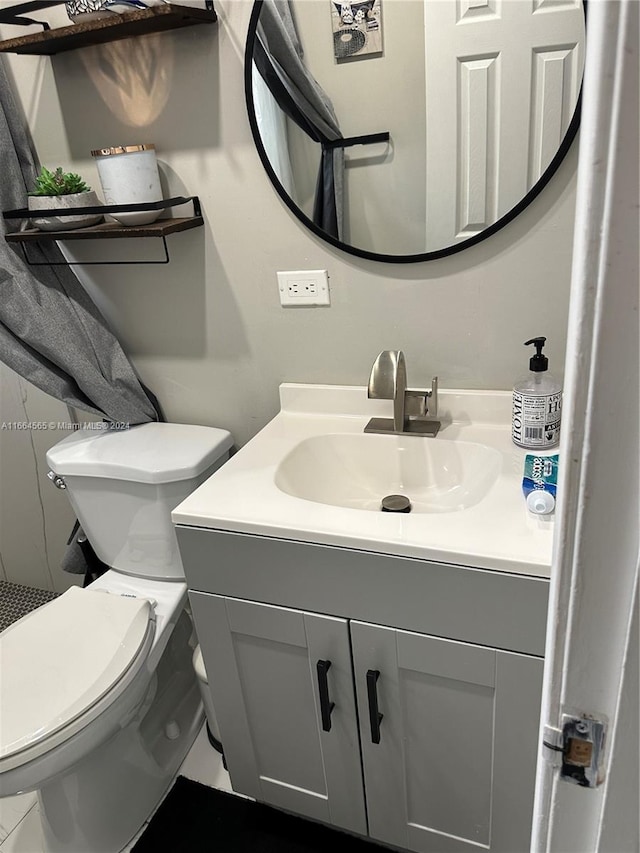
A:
(417, 400)
(433, 408)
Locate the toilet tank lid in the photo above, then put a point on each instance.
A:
(145, 453)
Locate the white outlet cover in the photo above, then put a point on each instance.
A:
(302, 288)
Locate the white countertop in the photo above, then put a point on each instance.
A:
(496, 533)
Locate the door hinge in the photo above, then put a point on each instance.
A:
(577, 748)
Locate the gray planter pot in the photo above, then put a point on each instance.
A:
(64, 223)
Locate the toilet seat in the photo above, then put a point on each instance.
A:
(64, 663)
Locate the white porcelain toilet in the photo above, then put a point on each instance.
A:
(99, 702)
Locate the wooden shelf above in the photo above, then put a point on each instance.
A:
(153, 20)
(108, 230)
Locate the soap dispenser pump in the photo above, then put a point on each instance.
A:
(537, 403)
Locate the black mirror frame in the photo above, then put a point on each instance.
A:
(535, 191)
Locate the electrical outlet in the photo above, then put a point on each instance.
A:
(303, 288)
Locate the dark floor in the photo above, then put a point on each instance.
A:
(197, 819)
(17, 600)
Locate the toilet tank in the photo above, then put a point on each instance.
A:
(123, 485)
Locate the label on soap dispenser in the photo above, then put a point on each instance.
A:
(536, 419)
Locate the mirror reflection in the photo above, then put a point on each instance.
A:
(477, 97)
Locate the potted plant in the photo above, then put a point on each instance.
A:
(60, 189)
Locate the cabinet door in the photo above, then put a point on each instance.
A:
(262, 666)
(454, 768)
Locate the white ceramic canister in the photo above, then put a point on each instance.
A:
(129, 174)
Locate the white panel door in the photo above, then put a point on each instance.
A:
(502, 78)
(282, 686)
(448, 733)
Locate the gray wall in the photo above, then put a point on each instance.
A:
(206, 332)
(35, 520)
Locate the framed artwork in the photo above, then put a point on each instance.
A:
(357, 29)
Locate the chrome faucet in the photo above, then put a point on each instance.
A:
(411, 411)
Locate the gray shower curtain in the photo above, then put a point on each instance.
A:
(279, 58)
(51, 333)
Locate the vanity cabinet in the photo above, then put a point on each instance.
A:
(443, 732)
(454, 767)
(263, 661)
(309, 647)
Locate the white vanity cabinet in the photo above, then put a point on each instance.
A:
(422, 735)
(451, 764)
(269, 666)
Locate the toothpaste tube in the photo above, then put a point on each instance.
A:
(540, 483)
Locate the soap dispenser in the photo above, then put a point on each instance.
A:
(537, 403)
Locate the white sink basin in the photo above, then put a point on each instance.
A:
(357, 471)
(313, 475)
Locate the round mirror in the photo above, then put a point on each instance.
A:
(407, 130)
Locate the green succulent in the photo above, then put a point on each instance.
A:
(59, 183)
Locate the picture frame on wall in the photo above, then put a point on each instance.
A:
(357, 29)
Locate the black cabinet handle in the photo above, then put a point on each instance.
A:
(375, 717)
(326, 707)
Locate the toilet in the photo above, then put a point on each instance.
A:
(100, 702)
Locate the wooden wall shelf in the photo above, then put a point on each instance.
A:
(108, 230)
(153, 20)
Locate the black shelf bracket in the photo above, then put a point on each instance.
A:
(14, 14)
(163, 204)
(163, 260)
(24, 213)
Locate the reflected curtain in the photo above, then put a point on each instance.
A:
(272, 126)
(279, 58)
(51, 333)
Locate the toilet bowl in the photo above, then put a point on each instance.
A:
(99, 701)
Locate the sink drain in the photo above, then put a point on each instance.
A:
(395, 503)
